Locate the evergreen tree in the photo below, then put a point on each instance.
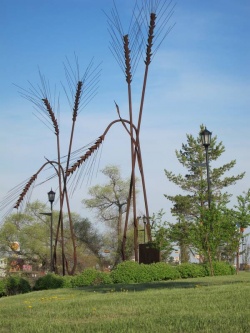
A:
(192, 157)
(243, 210)
(198, 227)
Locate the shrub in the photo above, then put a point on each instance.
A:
(91, 277)
(67, 281)
(16, 285)
(132, 272)
(125, 272)
(2, 287)
(144, 274)
(162, 271)
(188, 270)
(49, 281)
(220, 268)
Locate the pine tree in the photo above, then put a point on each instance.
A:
(192, 157)
(190, 206)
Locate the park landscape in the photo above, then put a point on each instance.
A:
(61, 274)
(208, 304)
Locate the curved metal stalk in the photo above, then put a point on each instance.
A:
(129, 79)
(60, 219)
(147, 63)
(75, 111)
(137, 149)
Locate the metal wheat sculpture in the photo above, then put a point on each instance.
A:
(40, 97)
(128, 49)
(146, 29)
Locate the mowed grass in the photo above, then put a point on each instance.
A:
(211, 304)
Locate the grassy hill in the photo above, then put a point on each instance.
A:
(211, 304)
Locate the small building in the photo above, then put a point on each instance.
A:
(3, 266)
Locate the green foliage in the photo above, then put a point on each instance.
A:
(49, 281)
(243, 210)
(132, 272)
(2, 287)
(220, 268)
(192, 157)
(188, 270)
(161, 235)
(67, 281)
(162, 271)
(86, 233)
(179, 233)
(205, 232)
(30, 230)
(126, 272)
(14, 285)
(89, 277)
(214, 235)
(109, 202)
(144, 274)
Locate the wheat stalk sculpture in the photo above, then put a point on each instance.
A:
(146, 33)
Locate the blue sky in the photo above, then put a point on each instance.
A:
(200, 75)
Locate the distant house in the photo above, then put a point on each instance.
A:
(3, 266)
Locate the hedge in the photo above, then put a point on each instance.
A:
(132, 272)
(91, 277)
(188, 270)
(126, 272)
(13, 285)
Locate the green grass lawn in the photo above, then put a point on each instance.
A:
(210, 304)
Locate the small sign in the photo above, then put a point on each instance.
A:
(27, 268)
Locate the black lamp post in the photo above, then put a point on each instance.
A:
(144, 222)
(51, 197)
(206, 141)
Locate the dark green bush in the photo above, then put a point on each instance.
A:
(91, 277)
(220, 268)
(49, 281)
(16, 285)
(2, 287)
(188, 270)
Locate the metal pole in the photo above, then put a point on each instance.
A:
(144, 233)
(238, 260)
(51, 238)
(208, 178)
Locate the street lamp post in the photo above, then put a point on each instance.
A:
(144, 222)
(206, 141)
(51, 197)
